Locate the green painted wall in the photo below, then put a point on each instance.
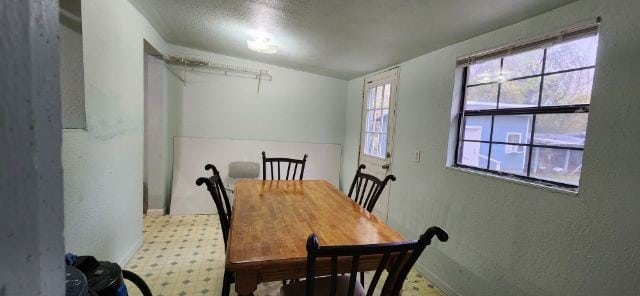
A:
(509, 238)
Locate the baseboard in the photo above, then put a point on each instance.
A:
(446, 288)
(155, 212)
(125, 259)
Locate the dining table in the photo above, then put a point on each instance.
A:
(272, 219)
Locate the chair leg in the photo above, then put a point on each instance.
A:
(226, 283)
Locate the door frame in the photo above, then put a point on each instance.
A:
(393, 105)
(392, 124)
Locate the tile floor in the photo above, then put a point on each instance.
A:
(184, 255)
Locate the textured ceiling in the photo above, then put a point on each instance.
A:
(339, 38)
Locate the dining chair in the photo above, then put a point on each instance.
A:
(368, 188)
(221, 200)
(396, 258)
(275, 164)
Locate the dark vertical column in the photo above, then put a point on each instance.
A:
(31, 211)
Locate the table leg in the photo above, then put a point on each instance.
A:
(246, 283)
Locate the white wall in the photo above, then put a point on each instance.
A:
(103, 165)
(509, 238)
(192, 154)
(296, 106)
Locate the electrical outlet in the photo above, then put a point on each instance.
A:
(416, 156)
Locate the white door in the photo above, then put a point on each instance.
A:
(376, 136)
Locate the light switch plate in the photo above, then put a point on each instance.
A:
(416, 156)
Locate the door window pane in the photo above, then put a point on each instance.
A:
(371, 98)
(387, 95)
(368, 143)
(385, 121)
(377, 121)
(378, 103)
(383, 146)
(369, 119)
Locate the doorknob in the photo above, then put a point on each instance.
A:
(386, 166)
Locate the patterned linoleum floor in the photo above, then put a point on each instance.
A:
(184, 255)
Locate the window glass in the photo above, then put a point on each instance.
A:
(520, 93)
(482, 97)
(484, 72)
(523, 64)
(572, 55)
(525, 115)
(568, 88)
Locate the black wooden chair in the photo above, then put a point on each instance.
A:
(367, 188)
(396, 258)
(221, 200)
(275, 164)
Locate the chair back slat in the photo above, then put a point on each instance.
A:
(373, 190)
(378, 273)
(405, 255)
(367, 196)
(220, 199)
(395, 269)
(354, 274)
(275, 166)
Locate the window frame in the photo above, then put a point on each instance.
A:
(529, 146)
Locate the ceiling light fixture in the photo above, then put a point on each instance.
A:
(262, 45)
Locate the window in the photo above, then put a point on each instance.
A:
(377, 121)
(524, 110)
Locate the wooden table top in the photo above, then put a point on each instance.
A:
(272, 219)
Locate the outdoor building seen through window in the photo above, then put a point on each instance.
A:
(525, 115)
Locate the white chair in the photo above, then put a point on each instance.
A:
(240, 170)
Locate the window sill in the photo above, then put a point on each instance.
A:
(566, 191)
